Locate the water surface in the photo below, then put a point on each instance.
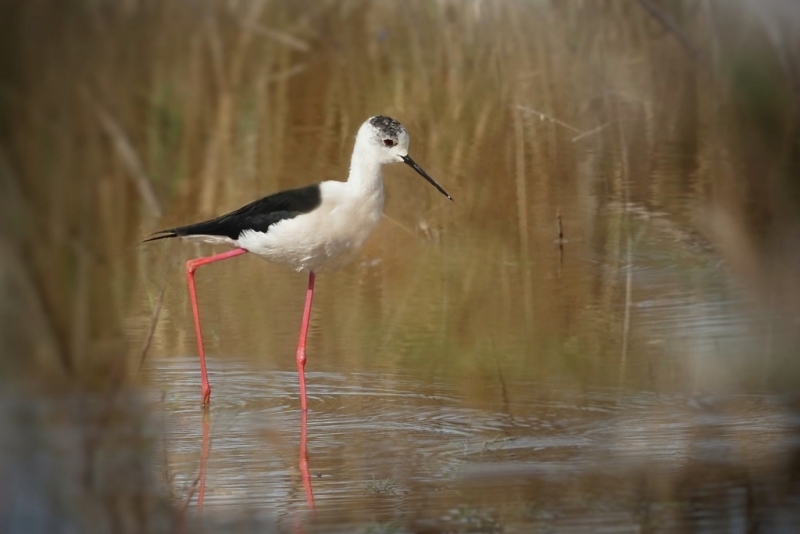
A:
(452, 388)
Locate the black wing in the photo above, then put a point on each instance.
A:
(258, 215)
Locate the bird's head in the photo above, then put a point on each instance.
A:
(388, 140)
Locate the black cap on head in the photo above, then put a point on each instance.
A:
(387, 125)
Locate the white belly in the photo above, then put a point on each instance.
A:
(328, 237)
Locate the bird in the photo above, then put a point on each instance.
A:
(323, 225)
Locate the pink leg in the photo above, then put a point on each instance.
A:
(191, 267)
(301, 346)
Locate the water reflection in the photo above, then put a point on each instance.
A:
(386, 454)
(436, 404)
(443, 395)
(201, 492)
(303, 461)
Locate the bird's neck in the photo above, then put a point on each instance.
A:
(365, 171)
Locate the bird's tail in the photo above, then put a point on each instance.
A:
(211, 228)
(162, 234)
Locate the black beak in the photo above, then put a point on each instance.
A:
(410, 162)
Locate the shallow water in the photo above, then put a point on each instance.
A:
(443, 398)
(412, 454)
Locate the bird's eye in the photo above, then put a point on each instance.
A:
(388, 142)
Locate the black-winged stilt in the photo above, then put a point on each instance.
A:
(307, 228)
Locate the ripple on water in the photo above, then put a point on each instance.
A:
(382, 444)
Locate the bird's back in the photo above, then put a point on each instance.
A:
(258, 216)
(326, 237)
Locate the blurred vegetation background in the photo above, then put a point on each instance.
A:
(120, 117)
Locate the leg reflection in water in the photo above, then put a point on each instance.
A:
(201, 492)
(304, 462)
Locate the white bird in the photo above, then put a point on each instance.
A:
(306, 229)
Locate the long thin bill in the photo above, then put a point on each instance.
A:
(410, 162)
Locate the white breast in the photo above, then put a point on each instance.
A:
(329, 236)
